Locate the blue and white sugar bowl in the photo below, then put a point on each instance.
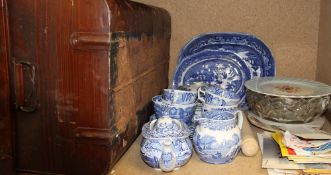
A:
(217, 136)
(165, 144)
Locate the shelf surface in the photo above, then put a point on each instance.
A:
(132, 164)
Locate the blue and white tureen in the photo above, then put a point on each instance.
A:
(166, 144)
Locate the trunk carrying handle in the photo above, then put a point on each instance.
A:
(25, 102)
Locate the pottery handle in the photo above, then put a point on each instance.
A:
(201, 91)
(151, 125)
(240, 118)
(178, 123)
(167, 161)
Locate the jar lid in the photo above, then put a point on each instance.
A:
(165, 127)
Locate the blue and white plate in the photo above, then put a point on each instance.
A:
(213, 67)
(250, 49)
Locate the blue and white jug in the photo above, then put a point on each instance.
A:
(217, 136)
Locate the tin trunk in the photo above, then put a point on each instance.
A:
(77, 82)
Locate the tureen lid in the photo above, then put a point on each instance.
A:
(165, 127)
(288, 87)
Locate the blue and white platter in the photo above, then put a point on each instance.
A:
(213, 67)
(250, 49)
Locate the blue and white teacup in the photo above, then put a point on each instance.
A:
(181, 112)
(176, 96)
(214, 95)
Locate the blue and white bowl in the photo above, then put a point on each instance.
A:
(176, 96)
(181, 112)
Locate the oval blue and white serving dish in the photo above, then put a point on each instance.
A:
(253, 51)
(250, 53)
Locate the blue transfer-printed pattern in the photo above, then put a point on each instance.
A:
(216, 90)
(179, 97)
(210, 146)
(258, 56)
(217, 120)
(151, 151)
(183, 113)
(217, 125)
(167, 160)
(214, 100)
(220, 116)
(169, 129)
(211, 151)
(216, 157)
(219, 101)
(213, 67)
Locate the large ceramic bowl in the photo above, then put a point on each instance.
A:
(287, 100)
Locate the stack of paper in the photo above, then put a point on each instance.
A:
(303, 151)
(284, 153)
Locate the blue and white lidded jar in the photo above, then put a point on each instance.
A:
(166, 144)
